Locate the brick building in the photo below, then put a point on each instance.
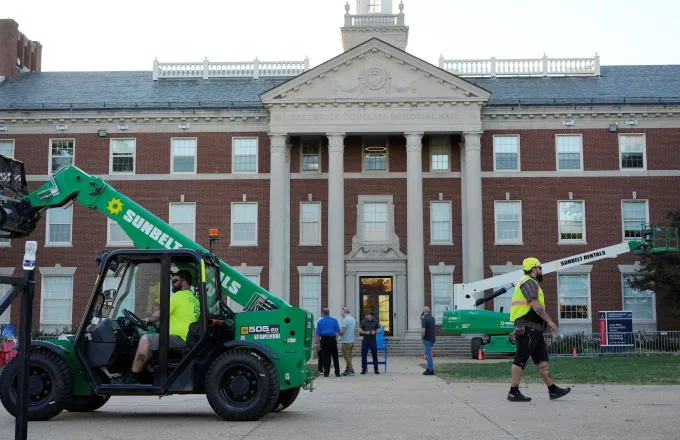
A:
(374, 180)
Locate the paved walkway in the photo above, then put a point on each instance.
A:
(401, 404)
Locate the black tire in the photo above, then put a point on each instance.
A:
(50, 379)
(475, 345)
(86, 403)
(227, 393)
(286, 398)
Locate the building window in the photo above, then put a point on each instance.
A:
(244, 223)
(374, 6)
(508, 218)
(375, 222)
(57, 297)
(634, 213)
(569, 152)
(375, 154)
(641, 303)
(572, 221)
(123, 156)
(506, 152)
(310, 294)
(573, 293)
(310, 223)
(183, 155)
(439, 153)
(632, 151)
(4, 290)
(440, 222)
(245, 155)
(311, 155)
(62, 154)
(115, 235)
(183, 218)
(6, 149)
(442, 295)
(59, 225)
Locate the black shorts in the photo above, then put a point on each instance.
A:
(531, 343)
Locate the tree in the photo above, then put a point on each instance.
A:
(661, 273)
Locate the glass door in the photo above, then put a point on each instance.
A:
(376, 296)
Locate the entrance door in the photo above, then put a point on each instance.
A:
(376, 295)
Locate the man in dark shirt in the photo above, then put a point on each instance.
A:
(428, 337)
(369, 328)
(327, 330)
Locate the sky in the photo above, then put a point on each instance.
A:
(87, 35)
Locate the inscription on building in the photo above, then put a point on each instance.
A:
(375, 116)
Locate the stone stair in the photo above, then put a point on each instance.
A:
(457, 346)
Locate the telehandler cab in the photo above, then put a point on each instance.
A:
(247, 363)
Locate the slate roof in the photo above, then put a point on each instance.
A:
(655, 84)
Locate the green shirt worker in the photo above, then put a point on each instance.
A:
(184, 310)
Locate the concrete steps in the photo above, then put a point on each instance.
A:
(444, 346)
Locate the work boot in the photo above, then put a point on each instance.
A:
(377, 372)
(558, 392)
(428, 373)
(518, 397)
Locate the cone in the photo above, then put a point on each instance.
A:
(574, 353)
(479, 355)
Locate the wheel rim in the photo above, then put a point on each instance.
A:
(40, 385)
(239, 385)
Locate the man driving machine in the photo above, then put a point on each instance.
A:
(184, 310)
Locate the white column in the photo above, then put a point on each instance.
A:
(336, 223)
(463, 211)
(287, 202)
(474, 247)
(414, 230)
(277, 209)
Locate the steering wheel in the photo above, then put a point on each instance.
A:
(135, 320)
(224, 308)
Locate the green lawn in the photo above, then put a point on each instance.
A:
(643, 370)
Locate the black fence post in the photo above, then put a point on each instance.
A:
(26, 323)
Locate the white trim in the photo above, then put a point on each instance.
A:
(315, 271)
(47, 229)
(170, 221)
(387, 154)
(253, 243)
(386, 199)
(109, 222)
(13, 146)
(623, 227)
(67, 272)
(257, 154)
(302, 154)
(519, 163)
(318, 241)
(134, 156)
(581, 174)
(520, 240)
(6, 272)
(446, 143)
(172, 156)
(583, 221)
(49, 147)
(557, 156)
(450, 241)
(644, 151)
(575, 271)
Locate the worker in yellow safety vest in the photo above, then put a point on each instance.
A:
(531, 320)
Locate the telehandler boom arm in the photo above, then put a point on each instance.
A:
(20, 212)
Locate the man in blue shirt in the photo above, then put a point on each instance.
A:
(327, 331)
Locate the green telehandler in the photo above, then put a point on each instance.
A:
(491, 332)
(247, 364)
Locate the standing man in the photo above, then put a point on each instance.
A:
(347, 340)
(327, 330)
(427, 335)
(369, 328)
(531, 319)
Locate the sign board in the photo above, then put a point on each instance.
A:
(616, 328)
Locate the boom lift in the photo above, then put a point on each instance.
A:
(247, 363)
(491, 330)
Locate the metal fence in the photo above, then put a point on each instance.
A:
(603, 344)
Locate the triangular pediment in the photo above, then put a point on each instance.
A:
(375, 72)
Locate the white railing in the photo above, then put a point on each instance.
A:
(244, 69)
(545, 66)
(373, 19)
